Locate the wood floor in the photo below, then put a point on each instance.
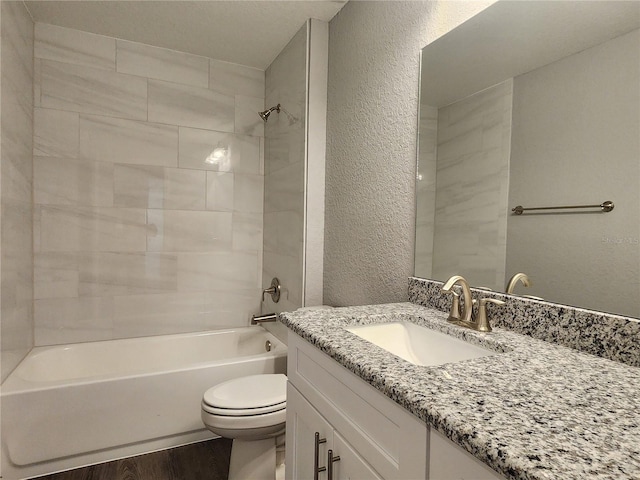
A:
(199, 461)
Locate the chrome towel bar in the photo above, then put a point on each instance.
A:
(604, 207)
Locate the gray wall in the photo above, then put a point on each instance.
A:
(374, 58)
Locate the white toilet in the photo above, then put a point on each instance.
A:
(250, 410)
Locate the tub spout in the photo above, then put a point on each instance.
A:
(258, 319)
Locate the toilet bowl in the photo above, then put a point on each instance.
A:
(250, 410)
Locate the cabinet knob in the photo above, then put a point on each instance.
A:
(330, 460)
(316, 456)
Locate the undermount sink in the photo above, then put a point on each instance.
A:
(419, 345)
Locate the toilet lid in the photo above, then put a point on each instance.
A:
(251, 392)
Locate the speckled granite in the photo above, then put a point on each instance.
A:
(606, 335)
(534, 410)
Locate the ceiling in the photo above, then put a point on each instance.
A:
(511, 38)
(247, 32)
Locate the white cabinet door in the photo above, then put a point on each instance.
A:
(303, 421)
(390, 439)
(351, 466)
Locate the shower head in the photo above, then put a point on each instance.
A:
(265, 115)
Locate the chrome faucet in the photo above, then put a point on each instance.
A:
(482, 324)
(513, 281)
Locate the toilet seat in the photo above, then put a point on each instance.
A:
(246, 422)
(242, 412)
(250, 395)
(246, 403)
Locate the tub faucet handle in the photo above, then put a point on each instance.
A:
(273, 290)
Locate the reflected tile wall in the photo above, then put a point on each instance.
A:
(147, 187)
(426, 190)
(470, 223)
(16, 133)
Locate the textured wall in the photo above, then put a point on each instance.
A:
(17, 179)
(374, 58)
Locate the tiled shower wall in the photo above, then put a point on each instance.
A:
(284, 173)
(16, 263)
(148, 189)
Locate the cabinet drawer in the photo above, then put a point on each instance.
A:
(389, 438)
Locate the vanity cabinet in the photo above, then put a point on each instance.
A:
(311, 452)
(373, 436)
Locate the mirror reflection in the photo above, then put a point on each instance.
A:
(534, 104)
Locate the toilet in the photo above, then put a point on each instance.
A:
(250, 410)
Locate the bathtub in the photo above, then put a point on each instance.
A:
(72, 405)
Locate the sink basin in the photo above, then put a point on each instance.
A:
(419, 345)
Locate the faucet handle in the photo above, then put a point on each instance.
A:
(483, 325)
(454, 312)
(274, 290)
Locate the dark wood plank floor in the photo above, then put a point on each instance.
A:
(199, 461)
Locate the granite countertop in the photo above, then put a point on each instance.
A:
(534, 410)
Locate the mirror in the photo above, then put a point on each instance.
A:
(534, 104)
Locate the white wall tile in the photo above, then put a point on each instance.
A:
(247, 231)
(162, 64)
(218, 151)
(141, 315)
(16, 263)
(37, 77)
(55, 133)
(232, 307)
(184, 231)
(283, 232)
(190, 106)
(220, 191)
(127, 211)
(288, 269)
(234, 79)
(70, 320)
(248, 121)
(248, 193)
(138, 186)
(218, 270)
(109, 273)
(284, 149)
(124, 141)
(91, 90)
(99, 229)
(284, 189)
(72, 181)
(55, 275)
(73, 46)
(158, 187)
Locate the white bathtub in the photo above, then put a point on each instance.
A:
(72, 405)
